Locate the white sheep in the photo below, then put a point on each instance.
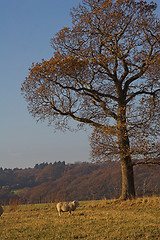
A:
(67, 207)
(1, 210)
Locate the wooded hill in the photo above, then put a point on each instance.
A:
(82, 181)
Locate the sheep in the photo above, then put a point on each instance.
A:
(1, 210)
(67, 207)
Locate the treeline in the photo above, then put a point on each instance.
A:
(82, 181)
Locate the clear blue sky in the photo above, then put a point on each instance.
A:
(26, 27)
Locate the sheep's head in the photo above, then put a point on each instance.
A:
(76, 203)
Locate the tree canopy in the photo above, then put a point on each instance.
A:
(105, 73)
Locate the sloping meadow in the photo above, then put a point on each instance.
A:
(103, 219)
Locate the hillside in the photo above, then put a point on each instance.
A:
(83, 181)
(102, 219)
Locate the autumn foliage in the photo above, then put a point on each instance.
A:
(65, 182)
(104, 73)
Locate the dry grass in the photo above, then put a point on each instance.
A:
(104, 219)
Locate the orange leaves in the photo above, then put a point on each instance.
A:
(62, 33)
(40, 90)
(57, 66)
(71, 65)
(104, 5)
(103, 62)
(104, 146)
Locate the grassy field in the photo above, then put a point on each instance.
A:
(104, 219)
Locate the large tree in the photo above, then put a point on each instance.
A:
(105, 73)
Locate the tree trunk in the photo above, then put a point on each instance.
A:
(128, 189)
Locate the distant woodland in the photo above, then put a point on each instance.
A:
(51, 182)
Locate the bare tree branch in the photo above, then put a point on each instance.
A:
(154, 161)
(140, 93)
